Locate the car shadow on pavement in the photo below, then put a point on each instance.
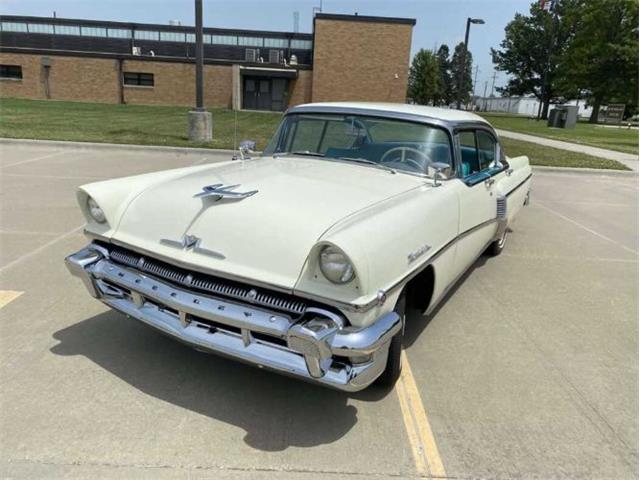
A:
(275, 411)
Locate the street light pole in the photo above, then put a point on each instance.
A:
(463, 68)
(199, 58)
(200, 121)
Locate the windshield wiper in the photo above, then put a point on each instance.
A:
(366, 161)
(307, 153)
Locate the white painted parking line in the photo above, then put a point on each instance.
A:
(423, 444)
(55, 177)
(7, 296)
(29, 160)
(41, 248)
(593, 232)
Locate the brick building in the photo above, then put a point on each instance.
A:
(347, 57)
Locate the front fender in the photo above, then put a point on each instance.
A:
(385, 243)
(114, 196)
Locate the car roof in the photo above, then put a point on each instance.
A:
(448, 115)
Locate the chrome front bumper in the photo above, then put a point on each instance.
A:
(316, 346)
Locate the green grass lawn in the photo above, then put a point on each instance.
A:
(620, 139)
(136, 124)
(553, 157)
(153, 125)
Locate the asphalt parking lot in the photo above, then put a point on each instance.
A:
(528, 370)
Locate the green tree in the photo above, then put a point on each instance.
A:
(602, 57)
(461, 89)
(446, 80)
(531, 52)
(424, 78)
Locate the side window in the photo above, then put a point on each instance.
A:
(468, 153)
(486, 149)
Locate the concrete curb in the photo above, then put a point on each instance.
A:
(113, 146)
(585, 171)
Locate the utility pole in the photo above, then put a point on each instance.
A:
(484, 95)
(200, 122)
(463, 67)
(493, 83)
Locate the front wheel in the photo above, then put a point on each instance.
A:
(394, 360)
(496, 247)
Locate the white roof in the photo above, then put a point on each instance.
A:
(446, 114)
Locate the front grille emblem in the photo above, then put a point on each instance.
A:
(190, 241)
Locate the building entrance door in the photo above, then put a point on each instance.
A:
(263, 93)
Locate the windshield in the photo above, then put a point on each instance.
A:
(372, 141)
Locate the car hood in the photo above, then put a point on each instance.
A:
(265, 237)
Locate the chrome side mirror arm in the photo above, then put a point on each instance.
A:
(442, 172)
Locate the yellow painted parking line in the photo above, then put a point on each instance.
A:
(423, 444)
(7, 296)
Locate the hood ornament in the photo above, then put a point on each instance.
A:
(219, 191)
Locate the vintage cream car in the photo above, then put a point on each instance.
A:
(303, 260)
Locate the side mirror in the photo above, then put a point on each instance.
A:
(442, 172)
(247, 147)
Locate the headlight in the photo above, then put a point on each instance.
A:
(95, 211)
(335, 265)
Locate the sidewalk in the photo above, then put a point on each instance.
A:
(628, 159)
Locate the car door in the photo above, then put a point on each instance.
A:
(478, 150)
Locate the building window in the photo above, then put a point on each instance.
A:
(147, 35)
(172, 36)
(93, 32)
(224, 39)
(12, 72)
(250, 41)
(118, 33)
(67, 30)
(138, 79)
(276, 42)
(40, 28)
(301, 44)
(14, 27)
(191, 38)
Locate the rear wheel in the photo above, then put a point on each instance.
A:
(496, 247)
(394, 364)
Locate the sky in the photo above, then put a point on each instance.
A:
(437, 21)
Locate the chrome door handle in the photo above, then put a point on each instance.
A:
(489, 181)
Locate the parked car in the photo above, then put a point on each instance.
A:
(305, 259)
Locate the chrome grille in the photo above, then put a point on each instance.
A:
(206, 283)
(124, 257)
(501, 211)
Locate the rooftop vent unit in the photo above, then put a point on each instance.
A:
(251, 55)
(274, 56)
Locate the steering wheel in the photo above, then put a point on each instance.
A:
(404, 159)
